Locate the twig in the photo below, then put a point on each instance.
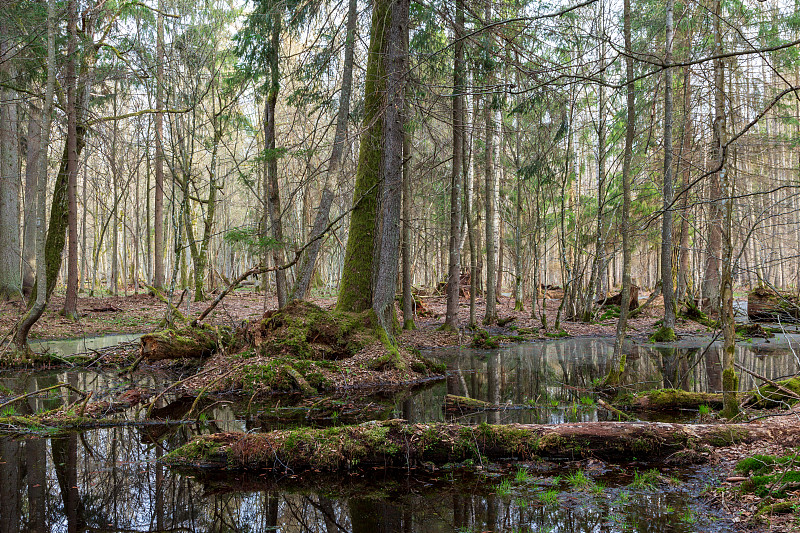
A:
(781, 388)
(34, 393)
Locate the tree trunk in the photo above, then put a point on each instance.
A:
(158, 200)
(408, 297)
(711, 281)
(392, 167)
(32, 168)
(666, 220)
(490, 191)
(274, 198)
(10, 279)
(397, 444)
(70, 309)
(618, 362)
(302, 285)
(355, 289)
(457, 175)
(36, 310)
(685, 162)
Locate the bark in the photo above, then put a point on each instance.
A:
(490, 191)
(158, 200)
(10, 279)
(408, 301)
(618, 361)
(192, 343)
(70, 309)
(770, 305)
(397, 444)
(685, 162)
(668, 190)
(40, 302)
(274, 198)
(392, 167)
(355, 289)
(303, 283)
(32, 168)
(671, 400)
(457, 176)
(711, 280)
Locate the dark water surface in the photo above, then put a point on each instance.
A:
(110, 479)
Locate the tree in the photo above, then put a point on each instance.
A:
(10, 280)
(303, 281)
(35, 311)
(381, 152)
(666, 222)
(457, 174)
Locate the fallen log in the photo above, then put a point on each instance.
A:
(396, 443)
(189, 343)
(617, 299)
(769, 305)
(668, 400)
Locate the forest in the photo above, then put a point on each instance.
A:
(309, 203)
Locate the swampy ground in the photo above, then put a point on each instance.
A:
(113, 478)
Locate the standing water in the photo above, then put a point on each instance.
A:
(110, 479)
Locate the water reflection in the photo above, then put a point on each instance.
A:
(558, 376)
(110, 480)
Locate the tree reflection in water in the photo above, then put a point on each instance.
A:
(111, 480)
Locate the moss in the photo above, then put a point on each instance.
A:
(558, 334)
(663, 334)
(614, 376)
(482, 339)
(775, 485)
(611, 311)
(200, 450)
(726, 436)
(779, 508)
(768, 396)
(762, 464)
(668, 399)
(730, 386)
(355, 289)
(694, 313)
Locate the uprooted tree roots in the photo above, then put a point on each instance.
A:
(301, 348)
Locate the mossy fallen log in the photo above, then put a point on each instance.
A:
(668, 400)
(185, 343)
(770, 396)
(396, 443)
(769, 305)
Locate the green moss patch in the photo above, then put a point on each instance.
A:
(305, 330)
(663, 334)
(769, 396)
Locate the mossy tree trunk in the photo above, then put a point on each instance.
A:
(355, 289)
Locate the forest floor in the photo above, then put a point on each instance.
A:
(141, 313)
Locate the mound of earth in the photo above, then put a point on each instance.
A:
(306, 349)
